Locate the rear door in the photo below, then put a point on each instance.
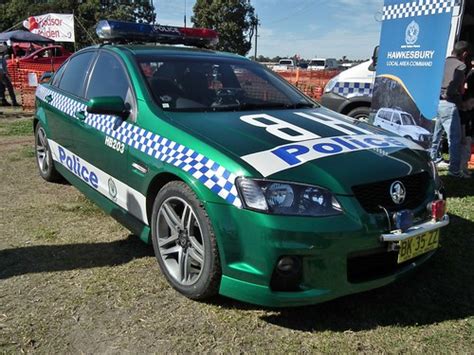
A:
(63, 96)
(386, 118)
(397, 124)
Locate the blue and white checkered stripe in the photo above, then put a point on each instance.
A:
(417, 8)
(351, 89)
(214, 176)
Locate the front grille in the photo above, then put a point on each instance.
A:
(363, 268)
(376, 194)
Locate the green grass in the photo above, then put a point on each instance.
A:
(72, 280)
(23, 127)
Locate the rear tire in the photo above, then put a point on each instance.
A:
(184, 242)
(360, 113)
(44, 157)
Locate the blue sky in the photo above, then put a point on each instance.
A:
(310, 28)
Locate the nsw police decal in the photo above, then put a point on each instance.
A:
(114, 190)
(77, 167)
(291, 155)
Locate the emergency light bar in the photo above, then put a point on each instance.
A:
(122, 31)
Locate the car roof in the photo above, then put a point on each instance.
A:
(135, 49)
(393, 109)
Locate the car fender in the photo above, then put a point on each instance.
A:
(40, 116)
(406, 131)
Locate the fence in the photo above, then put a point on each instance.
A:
(311, 82)
(25, 76)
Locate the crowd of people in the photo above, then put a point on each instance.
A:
(456, 112)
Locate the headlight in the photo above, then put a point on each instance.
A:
(287, 199)
(331, 84)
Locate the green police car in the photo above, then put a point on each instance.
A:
(244, 186)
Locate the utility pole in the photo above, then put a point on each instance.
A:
(256, 38)
(185, 13)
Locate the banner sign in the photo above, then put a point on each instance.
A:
(58, 27)
(410, 65)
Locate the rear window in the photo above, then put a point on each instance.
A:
(317, 63)
(216, 84)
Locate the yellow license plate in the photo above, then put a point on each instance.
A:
(419, 244)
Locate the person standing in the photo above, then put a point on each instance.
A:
(5, 79)
(451, 101)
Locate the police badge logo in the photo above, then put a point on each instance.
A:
(411, 33)
(112, 189)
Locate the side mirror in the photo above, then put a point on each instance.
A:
(109, 105)
(46, 77)
(375, 56)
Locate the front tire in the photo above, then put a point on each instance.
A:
(360, 113)
(184, 242)
(44, 157)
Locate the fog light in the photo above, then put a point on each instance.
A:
(438, 209)
(287, 264)
(287, 275)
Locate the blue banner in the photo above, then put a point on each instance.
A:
(412, 51)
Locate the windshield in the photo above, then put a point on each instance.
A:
(408, 120)
(197, 83)
(286, 62)
(317, 63)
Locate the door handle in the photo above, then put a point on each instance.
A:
(81, 115)
(48, 98)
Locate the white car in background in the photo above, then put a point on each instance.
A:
(401, 123)
(323, 64)
(284, 65)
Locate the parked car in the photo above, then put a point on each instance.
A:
(238, 180)
(323, 64)
(401, 123)
(55, 55)
(284, 65)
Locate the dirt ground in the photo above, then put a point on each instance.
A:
(72, 280)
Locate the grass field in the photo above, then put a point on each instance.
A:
(72, 280)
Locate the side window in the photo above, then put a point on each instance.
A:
(396, 118)
(58, 74)
(74, 76)
(386, 115)
(108, 78)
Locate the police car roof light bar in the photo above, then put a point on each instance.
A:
(121, 31)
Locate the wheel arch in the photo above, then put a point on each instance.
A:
(356, 103)
(156, 184)
(40, 117)
(162, 178)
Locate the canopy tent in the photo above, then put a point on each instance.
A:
(23, 36)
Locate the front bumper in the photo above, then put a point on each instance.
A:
(331, 250)
(429, 226)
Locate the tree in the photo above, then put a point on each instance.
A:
(235, 21)
(87, 13)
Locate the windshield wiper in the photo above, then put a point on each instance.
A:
(267, 105)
